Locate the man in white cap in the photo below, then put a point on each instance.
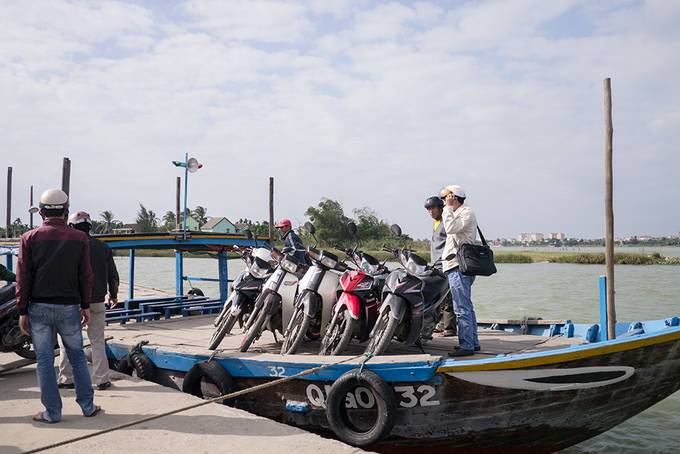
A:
(460, 224)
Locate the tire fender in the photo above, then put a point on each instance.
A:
(351, 302)
(385, 401)
(141, 363)
(211, 370)
(311, 303)
(397, 306)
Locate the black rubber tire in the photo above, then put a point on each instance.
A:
(299, 325)
(25, 352)
(383, 332)
(122, 365)
(255, 329)
(345, 333)
(222, 330)
(211, 371)
(337, 417)
(143, 366)
(195, 291)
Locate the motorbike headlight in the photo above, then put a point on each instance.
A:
(289, 265)
(328, 262)
(415, 268)
(259, 268)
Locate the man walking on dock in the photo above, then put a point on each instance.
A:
(105, 275)
(460, 224)
(54, 285)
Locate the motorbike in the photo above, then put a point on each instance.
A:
(276, 300)
(411, 299)
(317, 294)
(245, 290)
(11, 337)
(357, 309)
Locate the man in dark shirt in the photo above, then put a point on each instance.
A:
(54, 285)
(291, 240)
(435, 206)
(105, 275)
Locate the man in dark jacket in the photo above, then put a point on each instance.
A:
(54, 285)
(105, 275)
(435, 206)
(291, 240)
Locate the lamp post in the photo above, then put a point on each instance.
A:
(190, 165)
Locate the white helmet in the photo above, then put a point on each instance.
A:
(54, 199)
(79, 218)
(263, 254)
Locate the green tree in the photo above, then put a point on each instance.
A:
(18, 228)
(200, 214)
(146, 220)
(169, 220)
(108, 221)
(370, 226)
(330, 222)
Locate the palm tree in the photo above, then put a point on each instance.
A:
(109, 221)
(169, 220)
(200, 214)
(146, 220)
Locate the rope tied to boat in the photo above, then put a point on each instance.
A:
(368, 356)
(221, 398)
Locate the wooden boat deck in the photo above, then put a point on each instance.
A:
(191, 335)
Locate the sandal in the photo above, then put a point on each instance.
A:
(40, 417)
(96, 410)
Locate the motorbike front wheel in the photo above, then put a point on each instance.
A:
(222, 330)
(338, 334)
(255, 329)
(295, 334)
(382, 333)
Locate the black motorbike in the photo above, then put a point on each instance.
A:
(245, 290)
(411, 299)
(11, 337)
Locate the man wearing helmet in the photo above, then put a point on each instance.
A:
(291, 240)
(105, 275)
(435, 206)
(460, 224)
(54, 286)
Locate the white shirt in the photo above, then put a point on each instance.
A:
(461, 227)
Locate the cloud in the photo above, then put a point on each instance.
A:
(376, 104)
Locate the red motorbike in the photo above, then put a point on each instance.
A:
(358, 307)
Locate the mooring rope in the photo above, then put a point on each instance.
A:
(202, 403)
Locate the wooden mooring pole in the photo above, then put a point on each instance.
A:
(9, 204)
(66, 176)
(271, 211)
(609, 210)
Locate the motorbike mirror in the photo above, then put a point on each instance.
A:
(395, 229)
(352, 228)
(310, 228)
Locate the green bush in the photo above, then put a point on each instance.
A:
(513, 258)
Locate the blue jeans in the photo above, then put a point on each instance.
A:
(46, 321)
(461, 293)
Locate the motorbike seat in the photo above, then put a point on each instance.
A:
(7, 292)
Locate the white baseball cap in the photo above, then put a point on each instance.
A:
(455, 190)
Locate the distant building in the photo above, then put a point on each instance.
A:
(558, 236)
(240, 226)
(192, 224)
(530, 237)
(219, 224)
(125, 229)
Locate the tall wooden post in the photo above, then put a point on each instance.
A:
(179, 189)
(271, 211)
(9, 203)
(609, 209)
(66, 176)
(30, 216)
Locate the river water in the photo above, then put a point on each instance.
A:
(550, 291)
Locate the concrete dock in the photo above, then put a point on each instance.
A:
(212, 428)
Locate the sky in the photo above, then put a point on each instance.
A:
(376, 104)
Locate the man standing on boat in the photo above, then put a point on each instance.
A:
(460, 224)
(291, 240)
(54, 285)
(435, 206)
(105, 275)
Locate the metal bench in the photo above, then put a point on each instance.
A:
(137, 315)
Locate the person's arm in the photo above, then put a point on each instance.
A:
(113, 279)
(455, 222)
(7, 275)
(24, 276)
(85, 276)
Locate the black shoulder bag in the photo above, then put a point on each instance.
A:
(476, 259)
